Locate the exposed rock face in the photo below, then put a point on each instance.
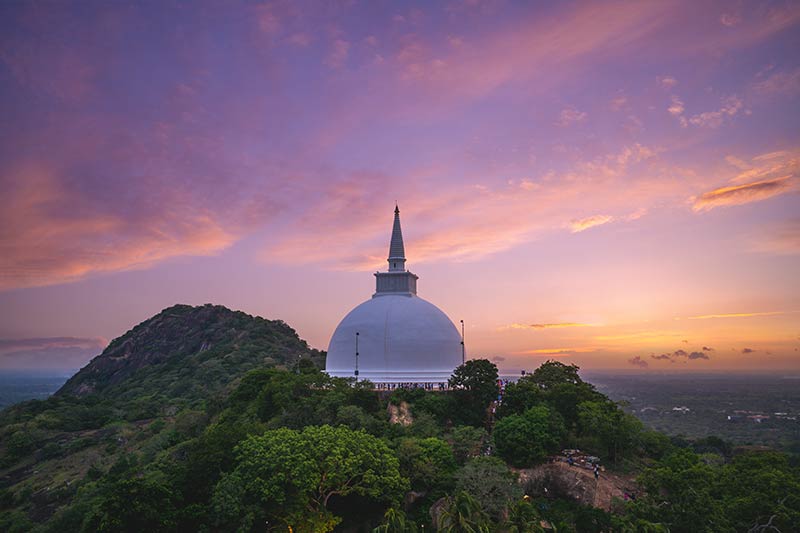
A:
(400, 414)
(576, 483)
(184, 351)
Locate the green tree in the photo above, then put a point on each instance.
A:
(608, 429)
(353, 417)
(552, 373)
(289, 476)
(527, 439)
(554, 384)
(490, 481)
(466, 442)
(680, 494)
(521, 395)
(19, 444)
(15, 522)
(760, 487)
(627, 524)
(427, 463)
(463, 514)
(475, 384)
(134, 505)
(395, 521)
(523, 518)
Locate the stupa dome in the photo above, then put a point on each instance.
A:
(400, 337)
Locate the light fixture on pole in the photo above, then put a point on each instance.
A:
(356, 356)
(463, 349)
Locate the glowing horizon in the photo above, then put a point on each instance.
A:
(612, 184)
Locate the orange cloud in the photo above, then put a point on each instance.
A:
(766, 166)
(743, 194)
(547, 326)
(589, 222)
(50, 235)
(648, 337)
(735, 315)
(556, 351)
(763, 177)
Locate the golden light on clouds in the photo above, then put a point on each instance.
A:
(504, 149)
(576, 226)
(556, 351)
(547, 326)
(742, 194)
(735, 315)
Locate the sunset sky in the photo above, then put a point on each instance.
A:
(611, 184)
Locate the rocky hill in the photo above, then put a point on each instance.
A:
(189, 353)
(151, 389)
(576, 483)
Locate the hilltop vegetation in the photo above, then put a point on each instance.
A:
(186, 354)
(150, 439)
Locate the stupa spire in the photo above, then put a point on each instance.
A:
(397, 280)
(397, 253)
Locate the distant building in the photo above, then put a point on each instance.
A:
(396, 336)
(682, 409)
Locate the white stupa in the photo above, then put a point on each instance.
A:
(399, 337)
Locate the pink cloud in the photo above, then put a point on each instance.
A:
(489, 218)
(618, 102)
(785, 82)
(299, 39)
(570, 115)
(42, 243)
(266, 18)
(667, 82)
(713, 119)
(337, 56)
(62, 353)
(730, 19)
(676, 108)
(762, 178)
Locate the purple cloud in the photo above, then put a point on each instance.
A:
(63, 353)
(662, 357)
(638, 361)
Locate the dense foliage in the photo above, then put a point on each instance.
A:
(187, 353)
(289, 476)
(283, 444)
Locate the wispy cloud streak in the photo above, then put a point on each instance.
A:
(557, 325)
(736, 315)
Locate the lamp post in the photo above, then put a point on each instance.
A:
(463, 349)
(356, 356)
